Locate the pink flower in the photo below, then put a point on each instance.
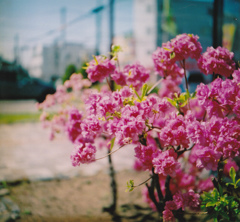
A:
(171, 205)
(119, 78)
(208, 158)
(136, 75)
(218, 61)
(168, 216)
(236, 76)
(91, 127)
(145, 154)
(202, 93)
(178, 199)
(126, 92)
(162, 60)
(166, 163)
(174, 133)
(83, 153)
(185, 46)
(74, 124)
(236, 108)
(168, 88)
(100, 68)
(205, 185)
(184, 181)
(192, 200)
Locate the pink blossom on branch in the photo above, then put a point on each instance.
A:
(83, 153)
(100, 68)
(218, 61)
(166, 163)
(136, 75)
(168, 216)
(185, 46)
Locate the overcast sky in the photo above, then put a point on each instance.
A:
(32, 19)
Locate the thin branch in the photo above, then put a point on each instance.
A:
(110, 153)
(143, 182)
(150, 90)
(108, 82)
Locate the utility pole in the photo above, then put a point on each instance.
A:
(217, 23)
(111, 22)
(63, 23)
(97, 11)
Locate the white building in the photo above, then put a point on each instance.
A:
(145, 30)
(49, 62)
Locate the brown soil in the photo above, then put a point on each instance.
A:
(77, 199)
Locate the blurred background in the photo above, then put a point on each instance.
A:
(39, 40)
(43, 42)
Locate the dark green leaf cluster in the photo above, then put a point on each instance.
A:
(220, 205)
(181, 100)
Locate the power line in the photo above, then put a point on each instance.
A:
(65, 26)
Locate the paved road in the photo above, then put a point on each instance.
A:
(18, 106)
(27, 153)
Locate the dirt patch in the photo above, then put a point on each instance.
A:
(76, 199)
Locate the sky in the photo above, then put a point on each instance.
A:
(31, 20)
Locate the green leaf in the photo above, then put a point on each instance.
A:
(210, 204)
(112, 143)
(232, 174)
(220, 190)
(137, 95)
(116, 49)
(169, 50)
(27, 212)
(173, 102)
(144, 90)
(237, 181)
(130, 186)
(187, 94)
(172, 55)
(184, 103)
(95, 59)
(193, 95)
(224, 215)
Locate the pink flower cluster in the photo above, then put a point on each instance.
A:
(166, 163)
(83, 153)
(62, 95)
(174, 144)
(218, 61)
(189, 199)
(221, 99)
(178, 49)
(100, 68)
(135, 75)
(185, 46)
(174, 132)
(145, 154)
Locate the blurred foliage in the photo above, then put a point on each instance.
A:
(68, 72)
(82, 70)
(71, 68)
(18, 117)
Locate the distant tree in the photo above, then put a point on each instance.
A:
(68, 72)
(82, 70)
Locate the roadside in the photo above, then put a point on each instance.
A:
(77, 199)
(41, 183)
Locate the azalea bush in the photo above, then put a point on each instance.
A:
(188, 142)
